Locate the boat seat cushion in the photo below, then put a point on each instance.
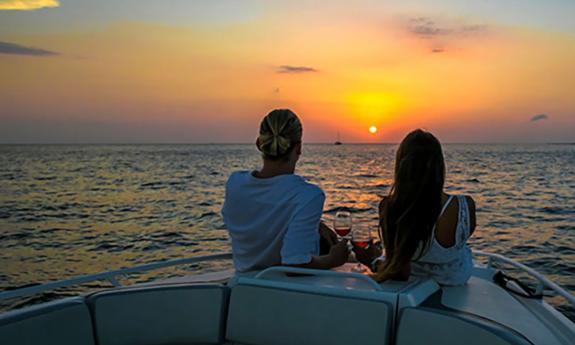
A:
(64, 322)
(419, 326)
(264, 315)
(177, 314)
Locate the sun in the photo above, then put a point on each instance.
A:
(372, 129)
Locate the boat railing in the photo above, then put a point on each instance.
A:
(542, 281)
(110, 276)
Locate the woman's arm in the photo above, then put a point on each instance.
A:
(382, 215)
(380, 275)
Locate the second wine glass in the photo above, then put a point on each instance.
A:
(361, 238)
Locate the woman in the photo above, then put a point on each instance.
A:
(272, 214)
(424, 230)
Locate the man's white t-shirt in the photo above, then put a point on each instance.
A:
(272, 221)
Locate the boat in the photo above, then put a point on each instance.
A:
(285, 305)
(338, 141)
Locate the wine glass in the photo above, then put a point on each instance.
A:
(342, 224)
(361, 238)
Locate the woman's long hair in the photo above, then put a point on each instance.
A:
(413, 204)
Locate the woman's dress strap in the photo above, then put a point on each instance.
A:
(441, 213)
(445, 206)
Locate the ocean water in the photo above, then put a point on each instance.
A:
(72, 210)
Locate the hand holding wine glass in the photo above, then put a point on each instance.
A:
(339, 253)
(362, 246)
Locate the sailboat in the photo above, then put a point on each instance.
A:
(338, 141)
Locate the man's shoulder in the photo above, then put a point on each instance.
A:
(237, 175)
(309, 189)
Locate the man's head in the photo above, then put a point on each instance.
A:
(280, 136)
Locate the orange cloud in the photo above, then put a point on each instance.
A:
(26, 5)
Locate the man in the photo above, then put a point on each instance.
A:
(273, 215)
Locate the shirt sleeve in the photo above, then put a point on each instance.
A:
(301, 240)
(229, 184)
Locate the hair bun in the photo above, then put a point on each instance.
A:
(279, 130)
(273, 144)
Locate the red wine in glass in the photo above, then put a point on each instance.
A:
(363, 243)
(361, 238)
(342, 231)
(342, 223)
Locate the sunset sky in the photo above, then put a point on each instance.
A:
(182, 71)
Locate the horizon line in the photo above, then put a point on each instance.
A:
(305, 143)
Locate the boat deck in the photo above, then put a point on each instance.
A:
(480, 297)
(286, 305)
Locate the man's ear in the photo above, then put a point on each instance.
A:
(258, 143)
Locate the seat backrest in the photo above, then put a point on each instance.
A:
(64, 322)
(430, 326)
(173, 314)
(268, 312)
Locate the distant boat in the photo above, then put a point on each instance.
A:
(338, 141)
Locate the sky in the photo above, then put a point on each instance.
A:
(181, 71)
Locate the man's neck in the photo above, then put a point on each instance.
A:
(271, 169)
